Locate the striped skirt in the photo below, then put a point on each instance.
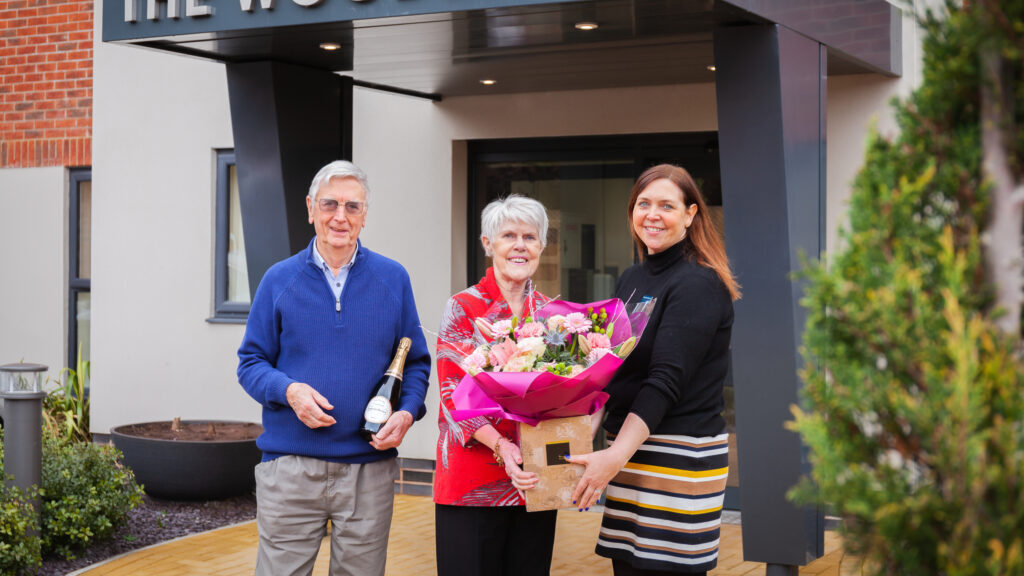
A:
(663, 511)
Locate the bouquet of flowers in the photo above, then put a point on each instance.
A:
(554, 364)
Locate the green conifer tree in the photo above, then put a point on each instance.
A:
(914, 406)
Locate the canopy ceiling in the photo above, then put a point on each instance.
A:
(523, 47)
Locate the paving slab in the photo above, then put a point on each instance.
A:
(231, 551)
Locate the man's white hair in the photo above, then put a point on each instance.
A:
(338, 169)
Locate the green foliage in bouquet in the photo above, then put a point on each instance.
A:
(19, 544)
(86, 494)
(566, 350)
(913, 406)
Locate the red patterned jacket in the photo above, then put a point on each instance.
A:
(467, 474)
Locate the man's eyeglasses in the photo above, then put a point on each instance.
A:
(330, 205)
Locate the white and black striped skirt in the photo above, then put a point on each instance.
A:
(663, 511)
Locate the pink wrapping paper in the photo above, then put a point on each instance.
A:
(530, 397)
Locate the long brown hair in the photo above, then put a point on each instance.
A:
(704, 238)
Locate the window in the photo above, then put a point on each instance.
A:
(231, 293)
(79, 264)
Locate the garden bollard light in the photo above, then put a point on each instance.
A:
(21, 387)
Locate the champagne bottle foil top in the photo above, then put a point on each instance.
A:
(398, 363)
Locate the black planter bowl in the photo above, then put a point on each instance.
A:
(186, 469)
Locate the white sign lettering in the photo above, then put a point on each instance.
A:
(265, 4)
(196, 8)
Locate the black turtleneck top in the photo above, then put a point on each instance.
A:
(673, 380)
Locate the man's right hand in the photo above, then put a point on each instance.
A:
(309, 405)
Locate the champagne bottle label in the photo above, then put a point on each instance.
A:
(378, 410)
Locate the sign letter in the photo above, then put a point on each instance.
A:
(131, 11)
(194, 8)
(265, 4)
(307, 3)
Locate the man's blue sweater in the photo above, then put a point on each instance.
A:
(295, 334)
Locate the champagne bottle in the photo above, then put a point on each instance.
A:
(386, 394)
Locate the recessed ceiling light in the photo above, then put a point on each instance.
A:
(488, 82)
(330, 46)
(586, 25)
(711, 67)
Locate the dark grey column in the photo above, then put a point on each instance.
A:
(770, 85)
(288, 121)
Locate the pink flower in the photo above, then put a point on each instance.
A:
(502, 352)
(501, 328)
(598, 341)
(596, 354)
(556, 322)
(522, 363)
(533, 346)
(474, 363)
(530, 330)
(577, 323)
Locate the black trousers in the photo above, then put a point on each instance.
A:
(622, 568)
(493, 540)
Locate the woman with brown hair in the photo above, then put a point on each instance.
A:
(666, 466)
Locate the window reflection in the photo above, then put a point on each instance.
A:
(238, 274)
(85, 229)
(82, 317)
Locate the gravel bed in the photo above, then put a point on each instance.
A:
(156, 521)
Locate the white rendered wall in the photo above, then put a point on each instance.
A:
(398, 141)
(33, 245)
(854, 104)
(157, 119)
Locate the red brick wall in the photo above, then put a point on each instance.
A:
(45, 83)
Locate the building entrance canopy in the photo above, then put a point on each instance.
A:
(444, 47)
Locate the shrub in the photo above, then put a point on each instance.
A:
(86, 494)
(19, 544)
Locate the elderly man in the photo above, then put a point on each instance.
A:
(322, 330)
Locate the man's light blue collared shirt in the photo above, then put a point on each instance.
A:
(337, 283)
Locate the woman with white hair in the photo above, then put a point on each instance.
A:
(482, 526)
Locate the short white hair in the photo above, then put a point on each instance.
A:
(514, 208)
(338, 169)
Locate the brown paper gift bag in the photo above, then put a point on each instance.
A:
(544, 447)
